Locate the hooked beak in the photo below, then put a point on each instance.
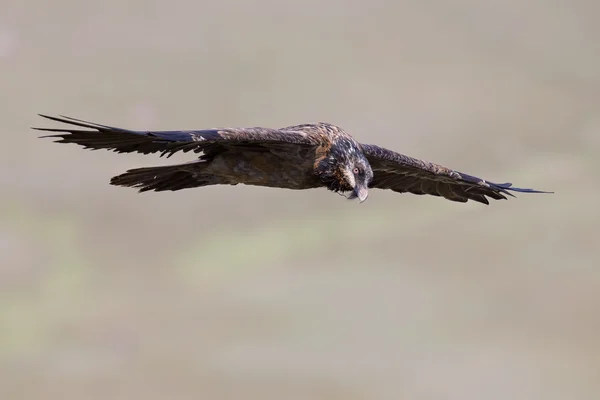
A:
(361, 193)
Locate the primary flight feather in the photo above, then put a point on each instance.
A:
(296, 157)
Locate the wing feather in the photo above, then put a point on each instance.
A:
(405, 174)
(98, 136)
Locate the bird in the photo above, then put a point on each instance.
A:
(306, 156)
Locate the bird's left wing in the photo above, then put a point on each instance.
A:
(402, 173)
(97, 136)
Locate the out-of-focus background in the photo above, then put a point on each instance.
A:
(245, 292)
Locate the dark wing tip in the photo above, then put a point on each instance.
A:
(79, 122)
(508, 186)
(521, 190)
(57, 119)
(505, 188)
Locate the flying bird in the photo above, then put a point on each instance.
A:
(296, 157)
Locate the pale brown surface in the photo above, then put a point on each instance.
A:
(243, 292)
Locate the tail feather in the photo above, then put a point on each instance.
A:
(163, 178)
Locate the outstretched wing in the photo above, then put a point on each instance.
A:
(120, 140)
(402, 174)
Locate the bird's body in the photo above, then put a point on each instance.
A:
(296, 157)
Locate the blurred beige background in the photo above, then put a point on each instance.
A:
(243, 292)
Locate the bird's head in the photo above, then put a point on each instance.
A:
(358, 175)
(346, 169)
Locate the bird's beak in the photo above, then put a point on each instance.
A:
(362, 193)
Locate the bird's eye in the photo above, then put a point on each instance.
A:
(356, 170)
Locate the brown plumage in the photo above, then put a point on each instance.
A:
(296, 157)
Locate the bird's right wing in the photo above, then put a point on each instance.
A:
(120, 140)
(404, 174)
